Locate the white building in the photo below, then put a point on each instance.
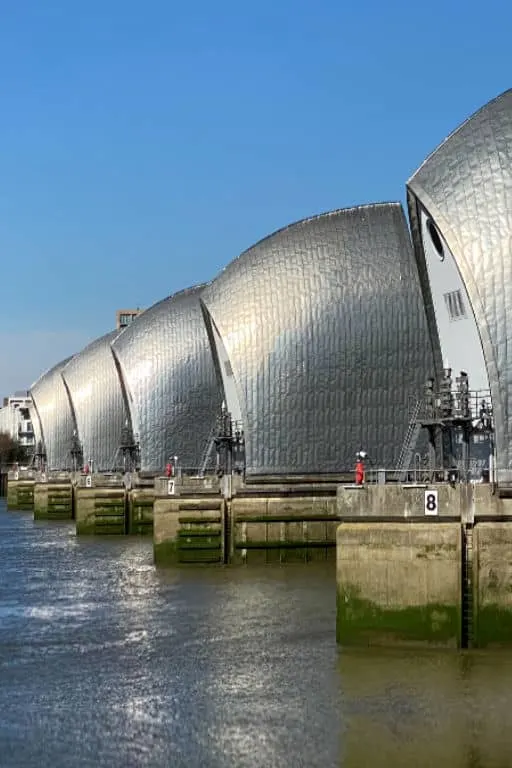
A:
(15, 419)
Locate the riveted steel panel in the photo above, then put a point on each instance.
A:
(56, 420)
(325, 330)
(170, 381)
(95, 390)
(465, 186)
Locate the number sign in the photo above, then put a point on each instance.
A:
(170, 487)
(431, 502)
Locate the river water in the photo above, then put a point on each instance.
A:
(106, 662)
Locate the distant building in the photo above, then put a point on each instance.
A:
(15, 419)
(126, 316)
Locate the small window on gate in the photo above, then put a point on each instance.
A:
(455, 305)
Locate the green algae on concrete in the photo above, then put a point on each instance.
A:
(140, 511)
(12, 495)
(188, 531)
(282, 529)
(492, 592)
(492, 626)
(165, 553)
(20, 494)
(399, 583)
(277, 551)
(53, 501)
(186, 550)
(363, 622)
(100, 511)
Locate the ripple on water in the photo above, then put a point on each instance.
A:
(106, 662)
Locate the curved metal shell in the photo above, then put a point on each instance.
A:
(95, 390)
(54, 424)
(465, 188)
(170, 381)
(36, 425)
(320, 337)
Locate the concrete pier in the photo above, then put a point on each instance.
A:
(114, 505)
(399, 583)
(100, 505)
(281, 525)
(229, 522)
(53, 496)
(139, 508)
(189, 523)
(53, 500)
(492, 624)
(425, 565)
(416, 564)
(20, 490)
(396, 501)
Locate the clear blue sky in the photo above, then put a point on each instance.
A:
(145, 144)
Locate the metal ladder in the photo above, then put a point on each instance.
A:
(410, 440)
(207, 452)
(467, 587)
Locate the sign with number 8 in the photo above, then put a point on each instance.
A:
(431, 502)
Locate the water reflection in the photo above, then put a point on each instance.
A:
(426, 709)
(106, 662)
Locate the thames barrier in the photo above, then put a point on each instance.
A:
(339, 392)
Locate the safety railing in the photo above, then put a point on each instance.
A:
(414, 475)
(452, 404)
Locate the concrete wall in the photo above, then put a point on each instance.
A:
(395, 501)
(20, 494)
(189, 530)
(185, 484)
(399, 583)
(113, 504)
(465, 502)
(282, 529)
(380, 571)
(140, 511)
(257, 523)
(100, 510)
(492, 558)
(487, 503)
(53, 501)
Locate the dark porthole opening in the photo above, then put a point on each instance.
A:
(436, 238)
